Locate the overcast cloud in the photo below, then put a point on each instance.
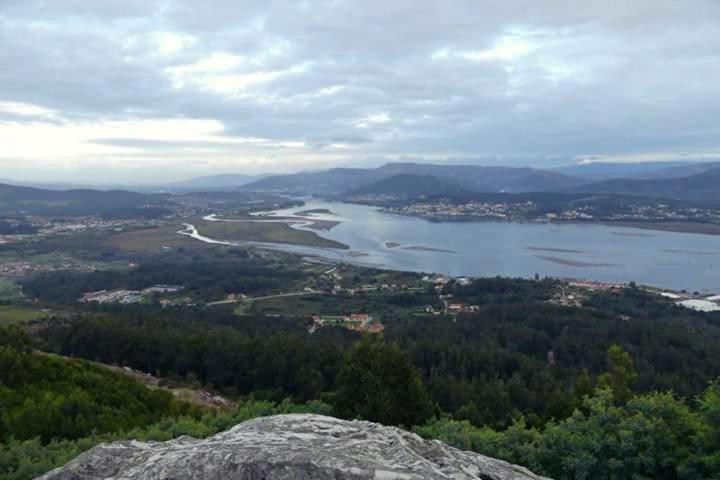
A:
(155, 90)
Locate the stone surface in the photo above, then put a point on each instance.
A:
(290, 447)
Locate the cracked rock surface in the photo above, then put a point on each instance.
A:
(290, 447)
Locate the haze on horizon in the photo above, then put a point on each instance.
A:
(138, 91)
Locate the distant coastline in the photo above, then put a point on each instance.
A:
(676, 227)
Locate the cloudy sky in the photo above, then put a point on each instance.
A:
(147, 90)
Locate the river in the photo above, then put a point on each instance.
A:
(596, 252)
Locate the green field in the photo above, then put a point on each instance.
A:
(157, 239)
(11, 315)
(264, 232)
(374, 304)
(9, 291)
(154, 240)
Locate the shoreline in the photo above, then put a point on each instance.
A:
(192, 231)
(672, 227)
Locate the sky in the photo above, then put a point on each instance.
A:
(150, 91)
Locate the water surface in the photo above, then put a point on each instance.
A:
(596, 252)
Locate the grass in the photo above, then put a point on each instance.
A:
(264, 232)
(154, 240)
(158, 239)
(12, 315)
(328, 306)
(9, 291)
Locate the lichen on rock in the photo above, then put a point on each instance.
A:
(290, 447)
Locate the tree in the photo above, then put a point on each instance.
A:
(621, 374)
(377, 382)
(709, 438)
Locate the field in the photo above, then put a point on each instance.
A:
(10, 315)
(273, 232)
(154, 240)
(378, 305)
(9, 291)
(159, 239)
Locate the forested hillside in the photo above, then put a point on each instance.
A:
(515, 357)
(46, 397)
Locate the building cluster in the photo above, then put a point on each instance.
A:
(488, 210)
(127, 296)
(21, 269)
(47, 227)
(530, 212)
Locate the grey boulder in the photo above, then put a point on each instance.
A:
(290, 447)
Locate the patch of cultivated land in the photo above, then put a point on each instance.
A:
(11, 315)
(9, 291)
(154, 240)
(307, 305)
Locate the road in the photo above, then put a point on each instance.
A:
(294, 294)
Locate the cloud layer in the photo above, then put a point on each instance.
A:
(146, 90)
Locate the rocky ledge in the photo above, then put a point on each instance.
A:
(290, 447)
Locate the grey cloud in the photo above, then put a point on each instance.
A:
(597, 78)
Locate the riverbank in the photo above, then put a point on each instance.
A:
(270, 231)
(676, 227)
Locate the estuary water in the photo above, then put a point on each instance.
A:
(594, 252)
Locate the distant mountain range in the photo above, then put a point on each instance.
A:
(477, 178)
(702, 188)
(597, 171)
(685, 181)
(222, 181)
(36, 201)
(411, 186)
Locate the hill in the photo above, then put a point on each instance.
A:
(333, 181)
(410, 186)
(470, 177)
(51, 397)
(703, 188)
(490, 179)
(223, 181)
(599, 171)
(35, 201)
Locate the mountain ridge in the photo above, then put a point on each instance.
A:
(702, 188)
(471, 177)
(81, 201)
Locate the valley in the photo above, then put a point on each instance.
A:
(229, 305)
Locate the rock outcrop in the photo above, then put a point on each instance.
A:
(290, 447)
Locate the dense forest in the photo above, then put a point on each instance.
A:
(611, 433)
(45, 397)
(491, 367)
(620, 388)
